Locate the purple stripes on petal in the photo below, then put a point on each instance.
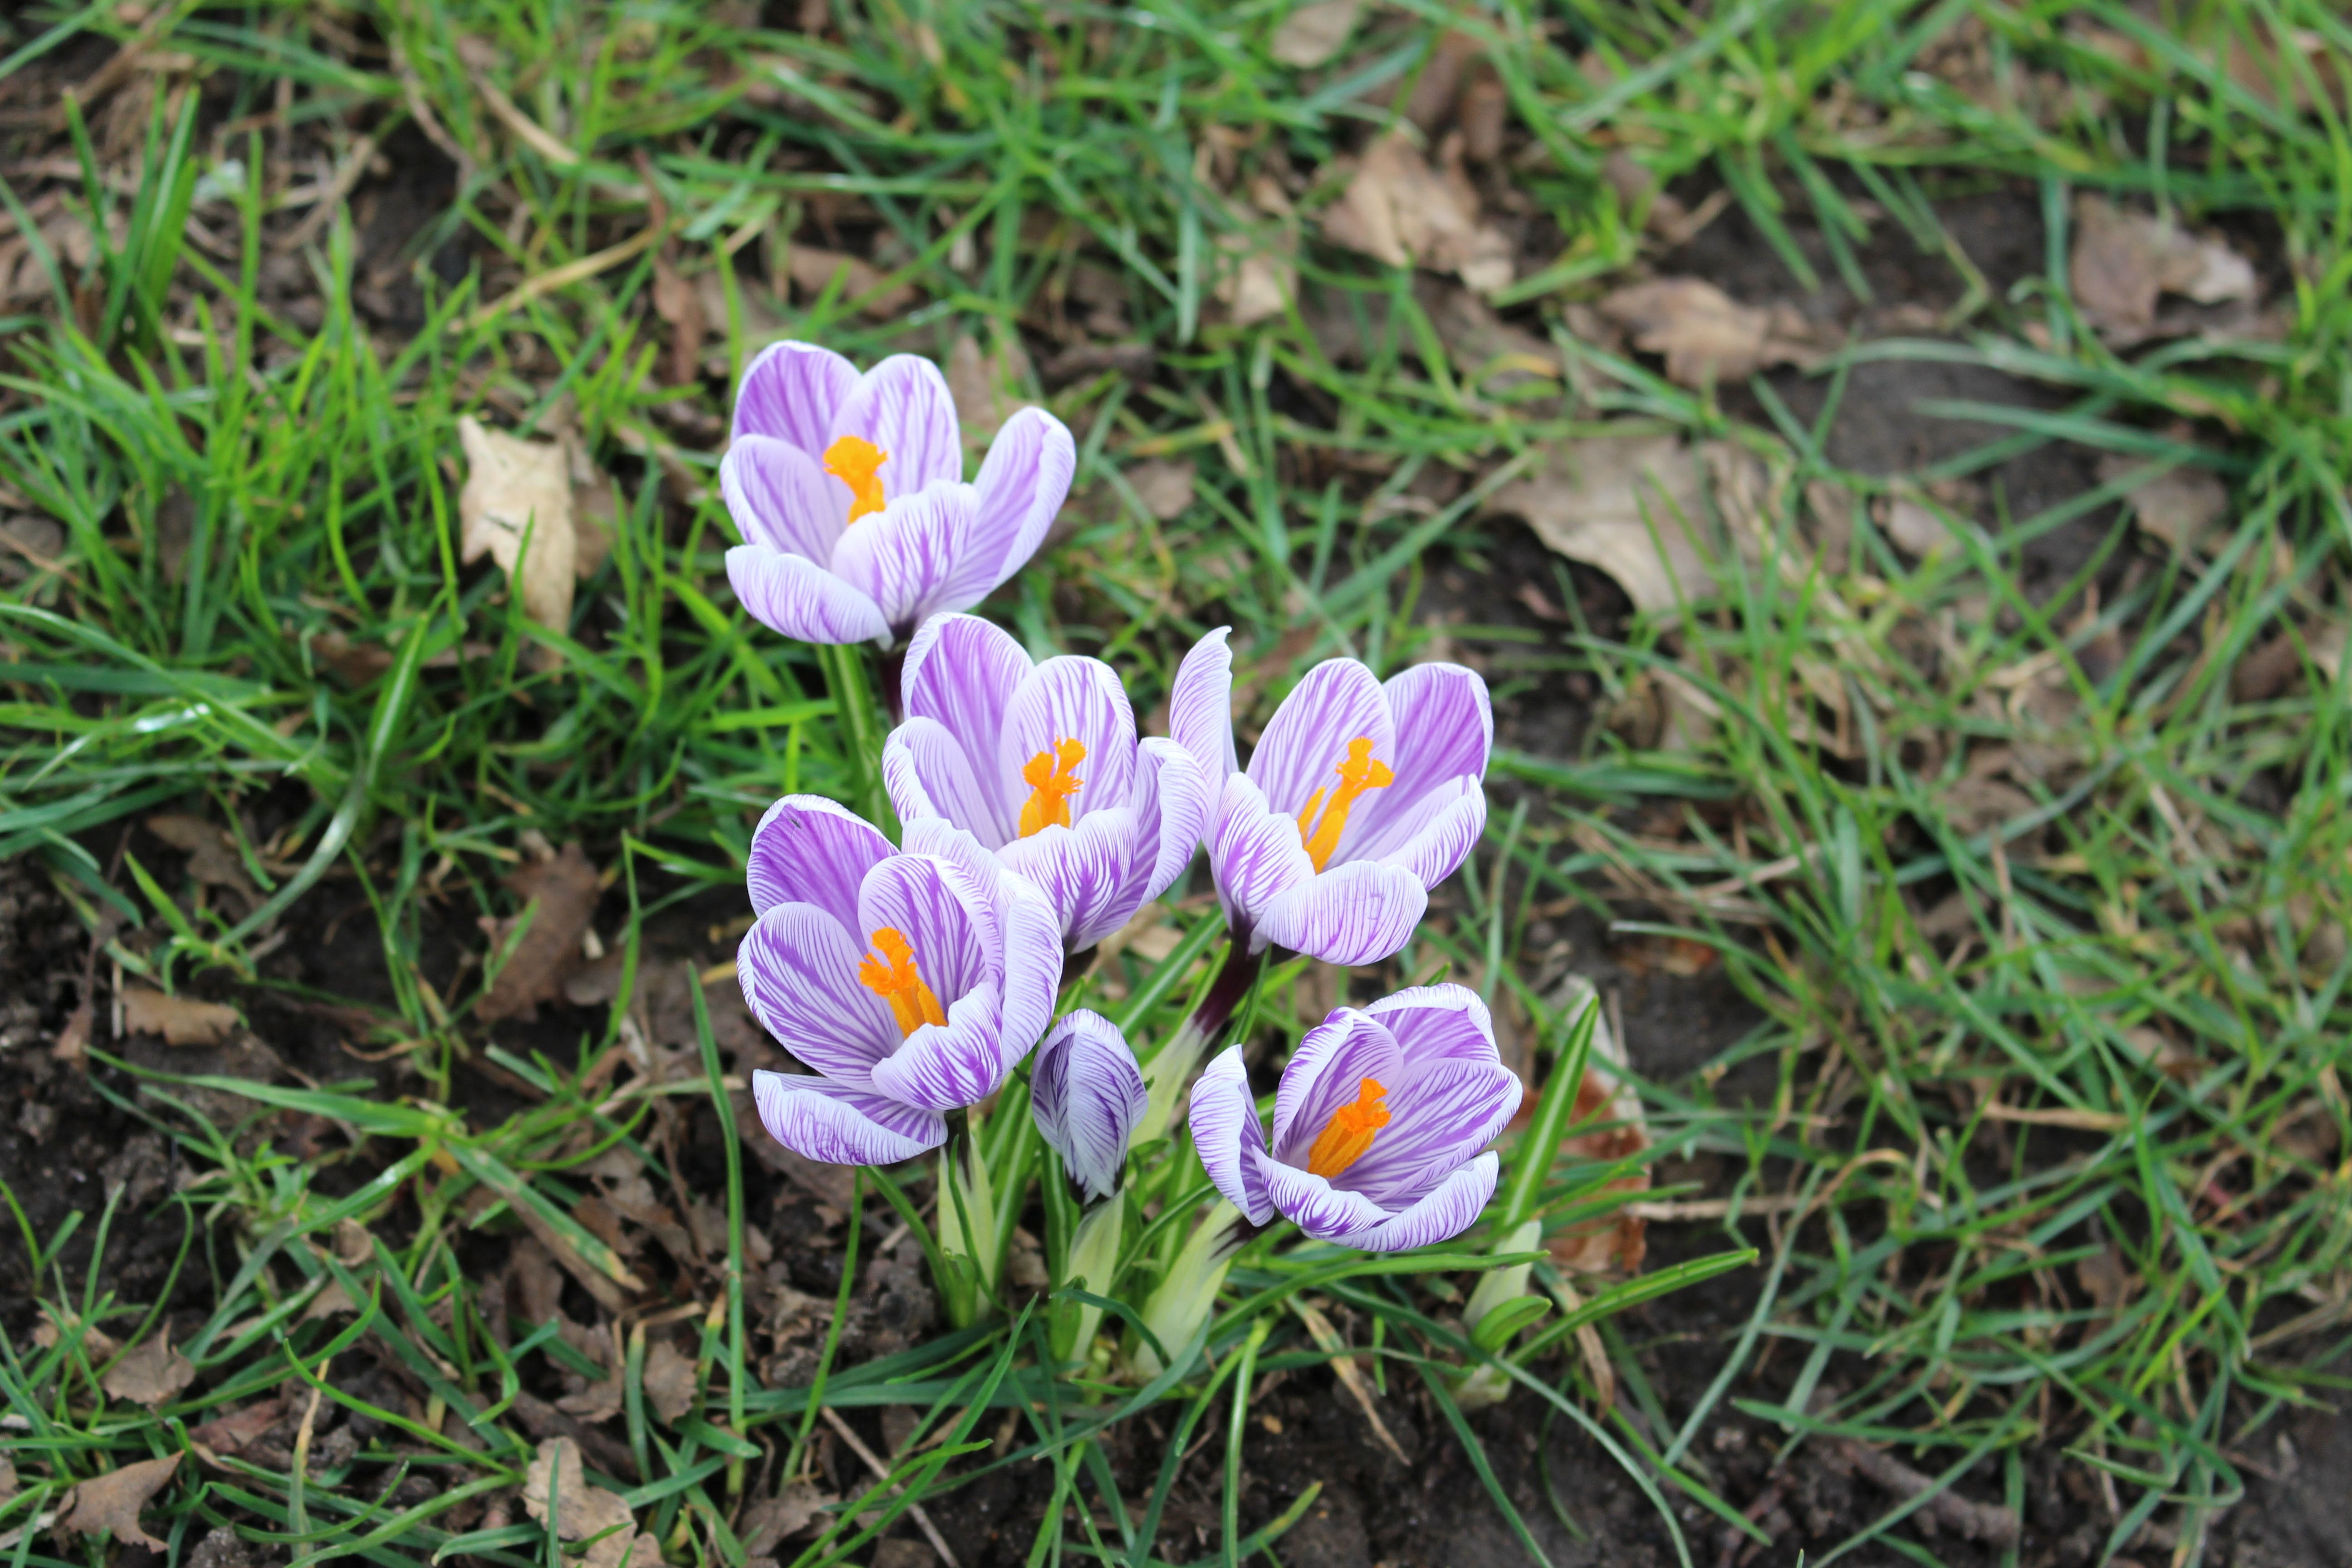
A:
(1332, 1060)
(917, 898)
(810, 850)
(1072, 697)
(1201, 708)
(793, 392)
(1171, 810)
(1441, 1215)
(819, 1120)
(1033, 962)
(903, 406)
(1022, 484)
(1445, 729)
(943, 1067)
(1438, 1120)
(1434, 838)
(1434, 1024)
(799, 972)
(900, 557)
(1305, 741)
(929, 775)
(779, 497)
(1087, 1094)
(1255, 853)
(1228, 1137)
(801, 599)
(962, 671)
(1088, 874)
(1358, 913)
(1323, 1211)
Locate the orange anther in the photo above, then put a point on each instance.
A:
(1347, 1136)
(853, 460)
(1359, 771)
(889, 972)
(1050, 785)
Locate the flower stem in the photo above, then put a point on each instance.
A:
(1172, 1069)
(1187, 1294)
(861, 730)
(966, 1226)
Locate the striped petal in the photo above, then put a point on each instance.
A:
(1022, 484)
(1433, 839)
(1228, 1137)
(1255, 853)
(1358, 913)
(1087, 1094)
(1445, 727)
(1201, 707)
(779, 497)
(1438, 1121)
(1072, 699)
(811, 850)
(1087, 873)
(900, 557)
(928, 773)
(1332, 1060)
(903, 406)
(1171, 810)
(793, 392)
(791, 594)
(940, 915)
(839, 1125)
(1435, 1023)
(1338, 701)
(798, 969)
(962, 671)
(1445, 1213)
(944, 1066)
(1323, 1211)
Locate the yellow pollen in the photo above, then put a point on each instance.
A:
(1361, 771)
(890, 973)
(1347, 1136)
(853, 460)
(1050, 785)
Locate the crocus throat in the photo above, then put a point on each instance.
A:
(1347, 1136)
(1050, 785)
(853, 460)
(890, 973)
(1361, 771)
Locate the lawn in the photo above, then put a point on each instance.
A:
(1888, 462)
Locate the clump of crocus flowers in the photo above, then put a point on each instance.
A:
(913, 981)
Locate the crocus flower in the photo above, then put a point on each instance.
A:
(1379, 1123)
(911, 981)
(1359, 798)
(1086, 1094)
(849, 493)
(1040, 762)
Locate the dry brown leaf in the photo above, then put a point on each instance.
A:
(1620, 1239)
(773, 1521)
(580, 1509)
(512, 487)
(670, 1383)
(565, 890)
(151, 1373)
(1914, 526)
(232, 1433)
(624, 1549)
(2106, 1279)
(2180, 506)
(1313, 34)
(679, 303)
(1707, 336)
(1493, 355)
(212, 855)
(1399, 210)
(2122, 262)
(813, 268)
(986, 385)
(7, 1478)
(1590, 502)
(1974, 804)
(1164, 485)
(1260, 278)
(113, 1501)
(181, 1020)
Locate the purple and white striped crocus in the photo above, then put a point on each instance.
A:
(1381, 1124)
(1359, 798)
(1041, 763)
(848, 490)
(1086, 1094)
(912, 980)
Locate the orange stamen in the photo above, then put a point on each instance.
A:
(1347, 1136)
(853, 460)
(889, 972)
(1358, 773)
(1050, 785)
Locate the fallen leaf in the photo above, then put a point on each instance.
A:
(986, 384)
(151, 1373)
(1620, 1239)
(1916, 527)
(679, 303)
(73, 1040)
(1164, 486)
(1706, 335)
(1493, 355)
(233, 1433)
(624, 1549)
(1313, 34)
(1261, 278)
(331, 1300)
(513, 487)
(2105, 1279)
(212, 854)
(1973, 803)
(97, 1344)
(1596, 500)
(1400, 211)
(557, 1478)
(773, 1521)
(7, 1478)
(113, 1501)
(565, 890)
(2180, 506)
(670, 1383)
(181, 1020)
(2122, 262)
(813, 269)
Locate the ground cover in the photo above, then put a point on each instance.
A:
(1888, 461)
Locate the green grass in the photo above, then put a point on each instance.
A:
(1966, 1114)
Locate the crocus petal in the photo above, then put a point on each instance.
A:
(1433, 839)
(1305, 741)
(1438, 1120)
(941, 915)
(796, 596)
(1435, 1023)
(1441, 1215)
(799, 972)
(1325, 1073)
(1323, 1211)
(1255, 853)
(1171, 809)
(1033, 962)
(943, 1067)
(793, 392)
(779, 497)
(1444, 726)
(811, 850)
(1228, 1137)
(903, 406)
(1072, 699)
(962, 671)
(820, 1119)
(927, 775)
(1022, 484)
(1201, 707)
(1358, 913)
(1087, 1094)
(1086, 872)
(900, 557)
